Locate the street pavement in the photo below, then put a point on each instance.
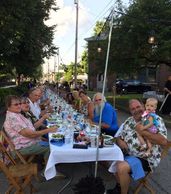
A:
(160, 179)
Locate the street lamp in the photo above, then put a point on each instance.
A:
(99, 49)
(151, 38)
(152, 41)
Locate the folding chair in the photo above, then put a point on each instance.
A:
(11, 148)
(18, 173)
(144, 183)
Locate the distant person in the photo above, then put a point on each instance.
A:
(166, 109)
(77, 100)
(87, 106)
(34, 96)
(149, 123)
(109, 124)
(25, 111)
(70, 98)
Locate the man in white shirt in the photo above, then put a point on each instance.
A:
(34, 96)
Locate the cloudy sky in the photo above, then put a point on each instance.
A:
(90, 11)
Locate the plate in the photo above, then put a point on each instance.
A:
(108, 143)
(107, 137)
(51, 120)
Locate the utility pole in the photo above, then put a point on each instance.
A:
(76, 43)
(58, 63)
(48, 70)
(54, 68)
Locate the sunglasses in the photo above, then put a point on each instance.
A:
(16, 104)
(98, 100)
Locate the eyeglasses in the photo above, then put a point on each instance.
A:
(98, 100)
(16, 104)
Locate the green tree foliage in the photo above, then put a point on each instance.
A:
(25, 39)
(84, 61)
(130, 50)
(69, 71)
(130, 38)
(98, 27)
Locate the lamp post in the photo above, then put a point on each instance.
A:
(76, 43)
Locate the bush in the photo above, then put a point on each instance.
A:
(17, 90)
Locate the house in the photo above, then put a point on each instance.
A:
(96, 60)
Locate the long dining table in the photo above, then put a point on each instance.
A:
(67, 154)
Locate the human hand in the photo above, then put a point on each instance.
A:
(46, 116)
(53, 129)
(122, 144)
(139, 127)
(50, 109)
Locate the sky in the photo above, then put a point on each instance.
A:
(90, 11)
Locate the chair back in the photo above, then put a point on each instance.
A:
(18, 172)
(144, 181)
(8, 151)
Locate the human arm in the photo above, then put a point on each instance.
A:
(90, 110)
(147, 126)
(33, 134)
(39, 122)
(47, 110)
(45, 103)
(167, 87)
(167, 90)
(121, 143)
(108, 115)
(155, 138)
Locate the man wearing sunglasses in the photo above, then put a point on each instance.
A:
(109, 123)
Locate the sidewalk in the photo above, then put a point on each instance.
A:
(160, 179)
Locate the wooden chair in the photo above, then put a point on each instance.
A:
(11, 148)
(144, 183)
(17, 171)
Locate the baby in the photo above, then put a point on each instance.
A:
(149, 122)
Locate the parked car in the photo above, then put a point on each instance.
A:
(131, 86)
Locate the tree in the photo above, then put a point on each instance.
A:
(25, 39)
(130, 50)
(129, 39)
(84, 61)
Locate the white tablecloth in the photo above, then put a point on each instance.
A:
(66, 154)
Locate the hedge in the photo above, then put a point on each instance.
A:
(15, 90)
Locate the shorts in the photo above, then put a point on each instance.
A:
(145, 164)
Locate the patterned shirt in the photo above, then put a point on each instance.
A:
(129, 135)
(14, 123)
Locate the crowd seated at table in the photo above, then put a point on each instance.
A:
(74, 109)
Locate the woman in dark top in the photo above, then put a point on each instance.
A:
(167, 105)
(25, 110)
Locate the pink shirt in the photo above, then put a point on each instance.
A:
(14, 123)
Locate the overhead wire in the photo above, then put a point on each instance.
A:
(105, 10)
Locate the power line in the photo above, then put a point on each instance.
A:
(97, 17)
